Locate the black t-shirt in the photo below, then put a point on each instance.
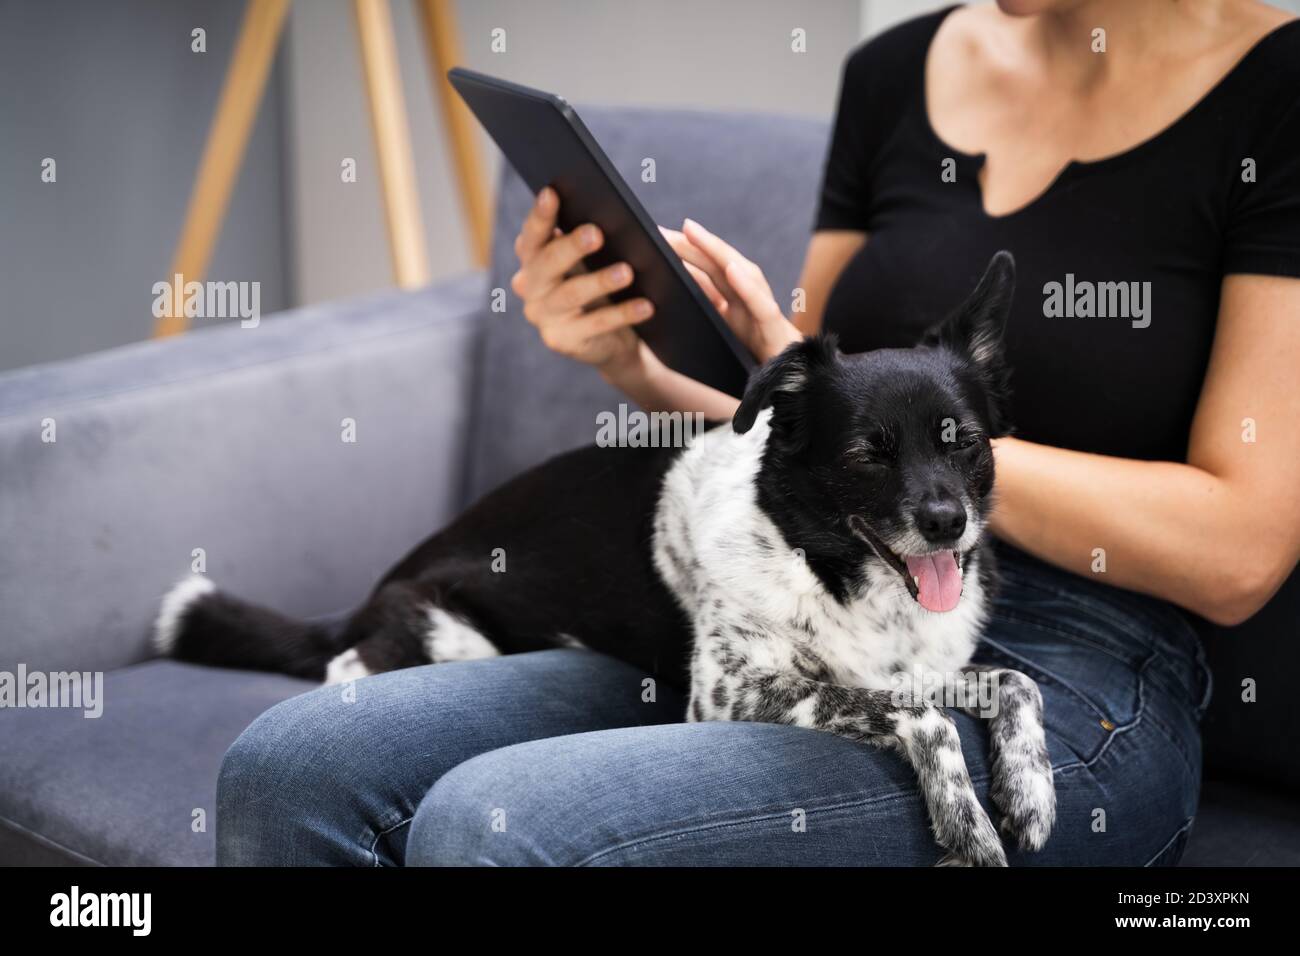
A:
(1145, 236)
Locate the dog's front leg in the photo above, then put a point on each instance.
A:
(925, 735)
(1022, 785)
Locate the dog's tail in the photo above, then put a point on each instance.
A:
(198, 623)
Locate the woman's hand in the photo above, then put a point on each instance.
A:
(736, 287)
(567, 304)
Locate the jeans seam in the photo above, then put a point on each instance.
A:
(1208, 675)
(759, 817)
(1170, 842)
(1167, 732)
(374, 856)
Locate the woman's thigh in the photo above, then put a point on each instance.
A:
(334, 776)
(1123, 744)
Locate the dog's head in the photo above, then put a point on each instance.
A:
(885, 456)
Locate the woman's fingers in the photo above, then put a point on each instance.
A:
(562, 254)
(754, 292)
(578, 292)
(538, 227)
(756, 317)
(547, 267)
(702, 279)
(715, 246)
(722, 253)
(716, 249)
(769, 332)
(570, 334)
(693, 255)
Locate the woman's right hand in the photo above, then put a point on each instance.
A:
(567, 304)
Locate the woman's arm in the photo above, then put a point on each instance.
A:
(1217, 535)
(574, 317)
(657, 388)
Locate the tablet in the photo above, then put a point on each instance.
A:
(546, 142)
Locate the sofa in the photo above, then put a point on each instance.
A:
(225, 449)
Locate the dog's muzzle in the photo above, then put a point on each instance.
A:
(934, 580)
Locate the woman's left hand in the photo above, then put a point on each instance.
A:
(736, 287)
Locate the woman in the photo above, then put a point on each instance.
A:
(1148, 173)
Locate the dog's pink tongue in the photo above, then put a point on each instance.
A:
(938, 582)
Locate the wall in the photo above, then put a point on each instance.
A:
(719, 54)
(113, 93)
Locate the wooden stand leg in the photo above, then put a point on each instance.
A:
(392, 143)
(442, 41)
(241, 94)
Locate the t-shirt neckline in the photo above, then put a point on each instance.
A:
(1075, 166)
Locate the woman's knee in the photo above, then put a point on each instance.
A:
(485, 812)
(267, 779)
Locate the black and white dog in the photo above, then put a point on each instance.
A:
(810, 565)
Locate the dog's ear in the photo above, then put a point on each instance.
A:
(976, 330)
(784, 382)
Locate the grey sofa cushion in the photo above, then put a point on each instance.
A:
(750, 178)
(121, 789)
(229, 440)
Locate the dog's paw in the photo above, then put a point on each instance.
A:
(1022, 786)
(1027, 799)
(976, 844)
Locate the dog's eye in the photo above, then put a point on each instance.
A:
(866, 458)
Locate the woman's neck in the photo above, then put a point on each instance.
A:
(1137, 33)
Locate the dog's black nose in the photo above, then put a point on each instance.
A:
(940, 520)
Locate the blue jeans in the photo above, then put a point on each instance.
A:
(559, 757)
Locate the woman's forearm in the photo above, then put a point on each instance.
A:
(1166, 529)
(657, 388)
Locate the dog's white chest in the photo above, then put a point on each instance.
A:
(886, 634)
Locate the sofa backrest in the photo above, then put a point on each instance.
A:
(229, 447)
(752, 179)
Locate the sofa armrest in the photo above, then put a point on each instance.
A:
(231, 440)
